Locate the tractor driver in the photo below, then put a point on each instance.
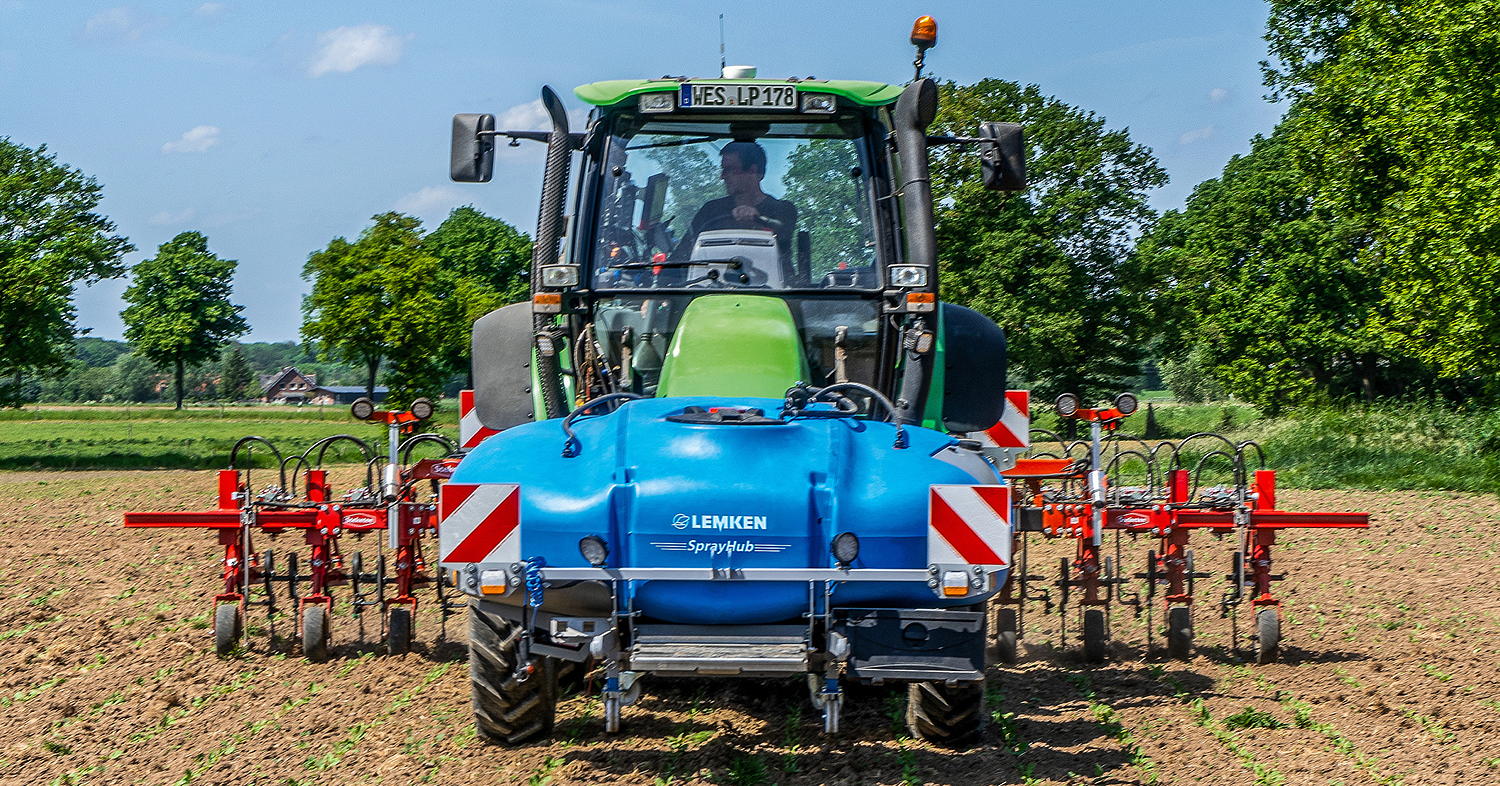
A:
(742, 165)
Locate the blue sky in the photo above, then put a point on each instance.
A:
(274, 126)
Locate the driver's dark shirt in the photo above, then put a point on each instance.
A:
(719, 214)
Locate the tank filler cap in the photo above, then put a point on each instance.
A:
(739, 72)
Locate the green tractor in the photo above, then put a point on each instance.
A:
(731, 404)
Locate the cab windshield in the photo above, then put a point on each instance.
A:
(736, 203)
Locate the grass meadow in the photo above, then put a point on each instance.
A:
(1390, 447)
(159, 437)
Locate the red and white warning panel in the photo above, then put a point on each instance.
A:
(968, 525)
(470, 431)
(1013, 430)
(481, 522)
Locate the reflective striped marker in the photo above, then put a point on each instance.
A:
(481, 522)
(968, 525)
(470, 431)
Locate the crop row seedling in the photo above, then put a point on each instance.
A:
(1107, 719)
(1265, 775)
(1302, 718)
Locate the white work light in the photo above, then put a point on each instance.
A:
(658, 102)
(559, 276)
(908, 276)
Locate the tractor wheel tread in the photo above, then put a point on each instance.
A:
(507, 711)
(948, 715)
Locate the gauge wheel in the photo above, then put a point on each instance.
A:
(1095, 633)
(398, 630)
(1268, 631)
(1006, 635)
(315, 635)
(229, 625)
(1180, 632)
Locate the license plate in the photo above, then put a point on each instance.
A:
(738, 97)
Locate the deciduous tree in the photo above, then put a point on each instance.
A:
(51, 240)
(178, 311)
(1051, 265)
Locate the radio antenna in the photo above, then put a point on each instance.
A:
(722, 62)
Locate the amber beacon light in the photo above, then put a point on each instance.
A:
(924, 32)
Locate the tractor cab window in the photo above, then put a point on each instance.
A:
(710, 203)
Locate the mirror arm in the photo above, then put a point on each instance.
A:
(575, 140)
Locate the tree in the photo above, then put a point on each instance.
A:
(1051, 265)
(235, 376)
(1394, 121)
(485, 263)
(1275, 296)
(484, 249)
(346, 310)
(178, 311)
(51, 240)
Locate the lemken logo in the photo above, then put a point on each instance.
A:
(711, 521)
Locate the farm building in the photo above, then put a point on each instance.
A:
(290, 386)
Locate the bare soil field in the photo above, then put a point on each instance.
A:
(1390, 675)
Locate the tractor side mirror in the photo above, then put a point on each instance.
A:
(1002, 162)
(471, 159)
(654, 200)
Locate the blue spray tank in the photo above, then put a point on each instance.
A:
(697, 482)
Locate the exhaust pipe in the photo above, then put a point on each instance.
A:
(914, 112)
(544, 251)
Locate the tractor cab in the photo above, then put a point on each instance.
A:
(735, 236)
(784, 197)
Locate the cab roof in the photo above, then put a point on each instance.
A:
(617, 90)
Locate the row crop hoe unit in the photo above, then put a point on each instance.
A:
(397, 499)
(735, 433)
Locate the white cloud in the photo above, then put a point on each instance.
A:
(209, 10)
(194, 140)
(524, 117)
(1217, 94)
(1196, 135)
(116, 24)
(344, 49)
(433, 202)
(170, 217)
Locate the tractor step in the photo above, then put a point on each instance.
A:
(747, 650)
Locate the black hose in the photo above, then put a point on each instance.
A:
(571, 446)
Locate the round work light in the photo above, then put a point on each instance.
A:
(593, 549)
(362, 408)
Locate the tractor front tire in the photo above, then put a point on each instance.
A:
(507, 711)
(948, 715)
